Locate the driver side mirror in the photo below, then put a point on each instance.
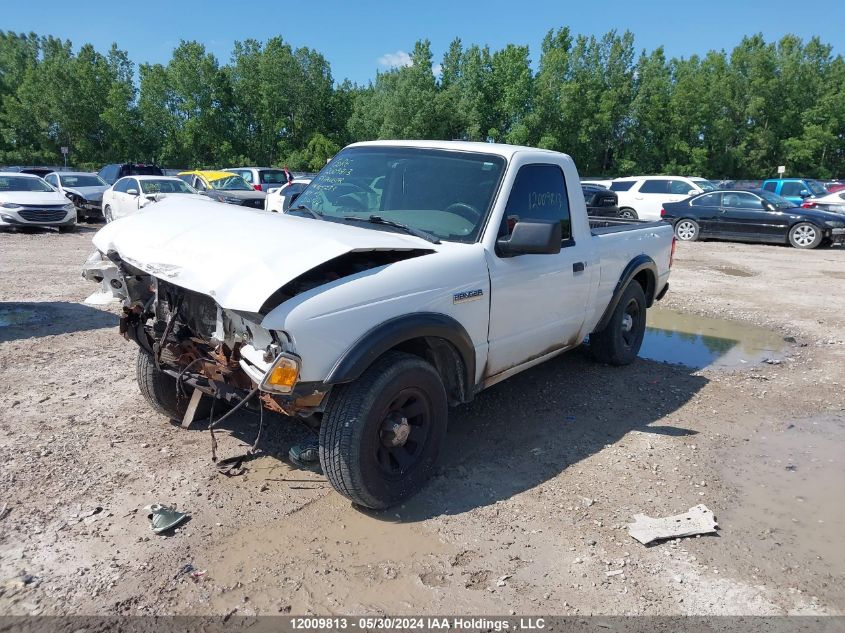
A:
(531, 237)
(132, 192)
(804, 193)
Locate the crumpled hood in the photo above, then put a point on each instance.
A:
(92, 194)
(236, 255)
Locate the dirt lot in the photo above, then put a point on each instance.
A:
(526, 514)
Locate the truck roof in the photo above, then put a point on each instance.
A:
(506, 151)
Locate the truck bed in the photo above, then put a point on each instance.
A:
(604, 226)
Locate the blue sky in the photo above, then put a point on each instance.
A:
(358, 38)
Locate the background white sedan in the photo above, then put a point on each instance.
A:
(132, 193)
(279, 200)
(27, 200)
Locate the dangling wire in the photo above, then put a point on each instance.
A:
(260, 428)
(214, 423)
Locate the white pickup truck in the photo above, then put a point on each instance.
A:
(408, 276)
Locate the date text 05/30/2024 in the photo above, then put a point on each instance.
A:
(406, 623)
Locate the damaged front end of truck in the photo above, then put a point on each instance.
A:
(225, 354)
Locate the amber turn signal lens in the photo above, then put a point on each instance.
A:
(282, 376)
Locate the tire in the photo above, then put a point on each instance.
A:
(107, 216)
(805, 235)
(360, 453)
(687, 230)
(620, 340)
(627, 213)
(159, 389)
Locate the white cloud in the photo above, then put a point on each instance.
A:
(395, 60)
(437, 69)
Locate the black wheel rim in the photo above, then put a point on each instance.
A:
(630, 323)
(403, 432)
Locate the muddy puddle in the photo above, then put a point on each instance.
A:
(699, 342)
(789, 483)
(326, 555)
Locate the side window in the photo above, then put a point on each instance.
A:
(246, 174)
(749, 201)
(52, 179)
(623, 185)
(187, 178)
(199, 185)
(121, 185)
(707, 200)
(655, 185)
(679, 187)
(770, 186)
(132, 183)
(539, 193)
(791, 188)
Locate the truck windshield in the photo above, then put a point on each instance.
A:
(445, 193)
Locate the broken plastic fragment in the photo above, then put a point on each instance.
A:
(163, 518)
(698, 520)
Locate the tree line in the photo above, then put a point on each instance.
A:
(736, 114)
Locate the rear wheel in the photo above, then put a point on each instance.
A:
(628, 213)
(687, 230)
(159, 389)
(620, 340)
(805, 235)
(381, 434)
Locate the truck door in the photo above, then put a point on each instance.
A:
(537, 302)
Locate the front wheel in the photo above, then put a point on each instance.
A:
(381, 434)
(626, 213)
(805, 235)
(159, 389)
(687, 230)
(620, 340)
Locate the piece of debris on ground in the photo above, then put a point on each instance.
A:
(697, 520)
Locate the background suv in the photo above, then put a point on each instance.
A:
(261, 178)
(643, 196)
(114, 172)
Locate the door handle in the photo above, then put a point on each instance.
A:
(578, 267)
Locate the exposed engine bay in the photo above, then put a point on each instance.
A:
(222, 353)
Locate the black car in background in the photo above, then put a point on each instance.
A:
(114, 172)
(752, 216)
(601, 202)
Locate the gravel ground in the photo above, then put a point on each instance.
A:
(527, 512)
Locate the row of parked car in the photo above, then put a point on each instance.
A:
(802, 212)
(59, 197)
(805, 213)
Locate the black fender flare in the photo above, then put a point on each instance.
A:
(396, 331)
(635, 266)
